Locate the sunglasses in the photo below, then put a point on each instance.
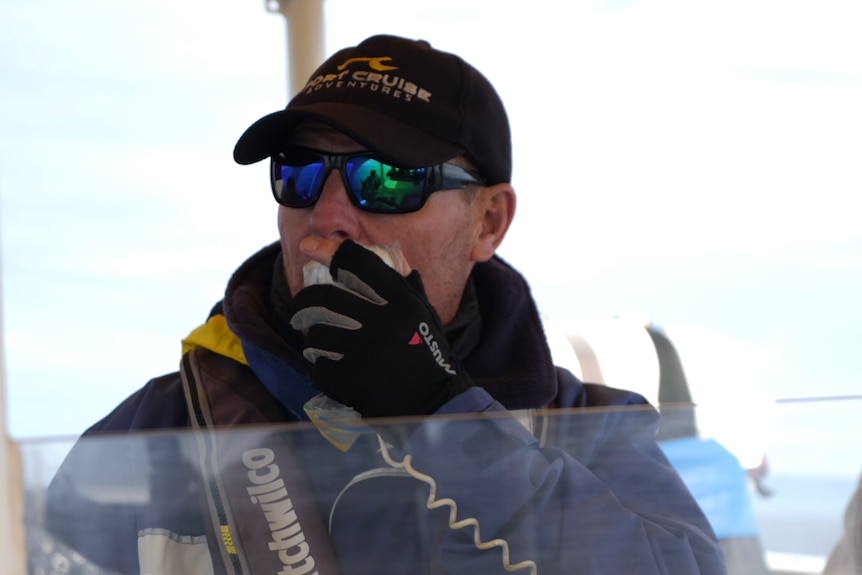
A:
(297, 177)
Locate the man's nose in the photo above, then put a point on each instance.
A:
(334, 215)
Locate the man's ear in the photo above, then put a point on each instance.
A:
(493, 211)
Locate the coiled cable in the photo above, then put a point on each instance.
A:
(454, 523)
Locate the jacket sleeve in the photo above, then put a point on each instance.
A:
(97, 502)
(603, 499)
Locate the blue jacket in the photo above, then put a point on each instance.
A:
(554, 476)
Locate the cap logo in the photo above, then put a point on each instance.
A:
(370, 75)
(373, 63)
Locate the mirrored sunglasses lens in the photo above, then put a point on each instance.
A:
(297, 186)
(384, 188)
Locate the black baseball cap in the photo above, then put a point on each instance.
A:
(409, 103)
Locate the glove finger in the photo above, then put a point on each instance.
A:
(331, 350)
(314, 315)
(352, 283)
(327, 304)
(332, 338)
(312, 354)
(315, 273)
(364, 272)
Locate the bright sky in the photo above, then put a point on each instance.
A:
(698, 162)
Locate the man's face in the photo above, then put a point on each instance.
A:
(437, 240)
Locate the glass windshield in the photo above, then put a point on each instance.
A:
(255, 484)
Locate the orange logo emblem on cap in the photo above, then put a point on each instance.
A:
(373, 63)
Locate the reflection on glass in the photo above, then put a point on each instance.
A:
(405, 499)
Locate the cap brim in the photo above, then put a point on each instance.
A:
(395, 141)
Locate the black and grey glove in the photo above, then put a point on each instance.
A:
(376, 342)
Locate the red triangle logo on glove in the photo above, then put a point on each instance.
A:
(415, 340)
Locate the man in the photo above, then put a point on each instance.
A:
(846, 556)
(413, 315)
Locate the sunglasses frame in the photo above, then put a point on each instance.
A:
(440, 177)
